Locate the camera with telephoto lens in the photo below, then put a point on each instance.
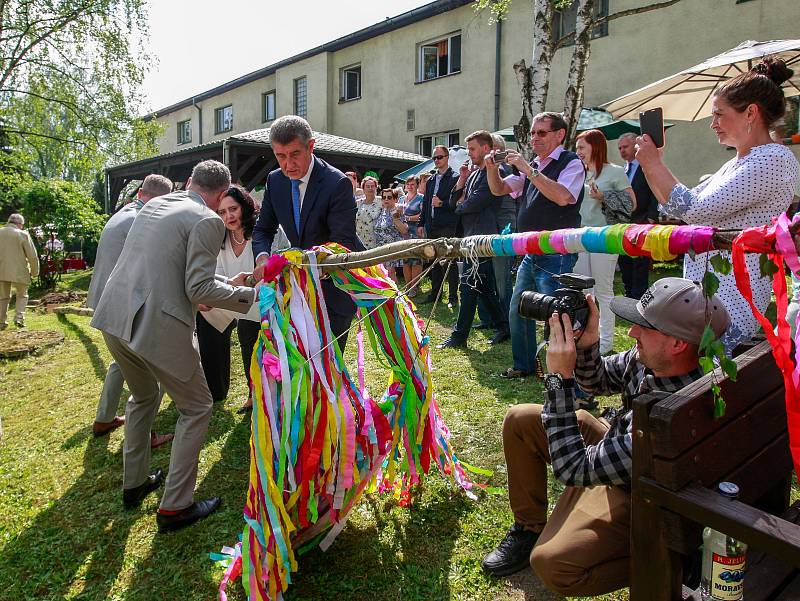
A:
(570, 300)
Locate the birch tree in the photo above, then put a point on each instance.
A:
(70, 72)
(534, 80)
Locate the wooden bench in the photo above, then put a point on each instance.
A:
(680, 454)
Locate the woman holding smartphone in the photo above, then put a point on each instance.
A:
(390, 226)
(412, 212)
(606, 186)
(749, 190)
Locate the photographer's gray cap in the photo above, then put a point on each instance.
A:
(675, 307)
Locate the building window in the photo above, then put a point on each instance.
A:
(427, 143)
(184, 131)
(440, 58)
(223, 119)
(350, 83)
(564, 20)
(300, 97)
(410, 119)
(268, 106)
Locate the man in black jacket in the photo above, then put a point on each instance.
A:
(635, 270)
(477, 206)
(438, 220)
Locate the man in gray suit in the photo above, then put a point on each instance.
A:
(147, 314)
(108, 250)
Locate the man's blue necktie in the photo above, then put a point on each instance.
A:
(296, 203)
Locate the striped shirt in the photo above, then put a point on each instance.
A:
(610, 461)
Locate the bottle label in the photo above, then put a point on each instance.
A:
(727, 577)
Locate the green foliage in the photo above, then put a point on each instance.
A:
(498, 9)
(70, 73)
(710, 284)
(62, 208)
(721, 264)
(767, 266)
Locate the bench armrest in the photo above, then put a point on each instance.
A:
(764, 531)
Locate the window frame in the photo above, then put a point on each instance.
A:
(599, 31)
(296, 96)
(219, 119)
(432, 45)
(265, 118)
(343, 82)
(188, 139)
(446, 138)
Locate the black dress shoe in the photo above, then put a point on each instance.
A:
(186, 517)
(133, 497)
(452, 343)
(512, 554)
(501, 336)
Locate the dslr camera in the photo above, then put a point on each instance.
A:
(570, 300)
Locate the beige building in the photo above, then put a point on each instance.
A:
(429, 75)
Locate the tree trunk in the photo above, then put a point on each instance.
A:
(534, 81)
(573, 97)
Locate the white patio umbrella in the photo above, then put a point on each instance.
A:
(686, 96)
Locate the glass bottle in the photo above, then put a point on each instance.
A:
(724, 557)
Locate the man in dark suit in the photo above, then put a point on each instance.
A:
(472, 199)
(635, 270)
(314, 204)
(438, 220)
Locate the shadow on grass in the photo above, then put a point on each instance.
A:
(92, 350)
(77, 542)
(393, 553)
(190, 573)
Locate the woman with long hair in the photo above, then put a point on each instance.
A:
(412, 212)
(238, 211)
(749, 190)
(607, 197)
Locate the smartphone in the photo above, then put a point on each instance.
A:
(500, 156)
(652, 123)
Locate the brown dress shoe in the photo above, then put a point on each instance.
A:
(156, 440)
(101, 428)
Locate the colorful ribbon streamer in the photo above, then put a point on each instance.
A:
(660, 242)
(319, 440)
(775, 241)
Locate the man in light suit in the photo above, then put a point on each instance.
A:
(18, 264)
(314, 204)
(147, 313)
(108, 250)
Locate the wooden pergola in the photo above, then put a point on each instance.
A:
(250, 158)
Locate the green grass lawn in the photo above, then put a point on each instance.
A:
(64, 534)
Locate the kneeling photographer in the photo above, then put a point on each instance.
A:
(583, 548)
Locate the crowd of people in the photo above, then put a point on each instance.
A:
(177, 271)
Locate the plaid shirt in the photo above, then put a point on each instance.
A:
(609, 461)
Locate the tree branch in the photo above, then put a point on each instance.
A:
(563, 40)
(21, 132)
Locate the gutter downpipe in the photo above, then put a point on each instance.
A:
(199, 121)
(497, 47)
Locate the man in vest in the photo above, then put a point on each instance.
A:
(551, 188)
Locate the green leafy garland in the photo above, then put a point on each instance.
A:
(711, 350)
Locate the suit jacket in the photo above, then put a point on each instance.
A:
(18, 259)
(109, 249)
(443, 220)
(646, 201)
(166, 268)
(479, 209)
(328, 214)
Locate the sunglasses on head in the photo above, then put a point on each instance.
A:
(438, 157)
